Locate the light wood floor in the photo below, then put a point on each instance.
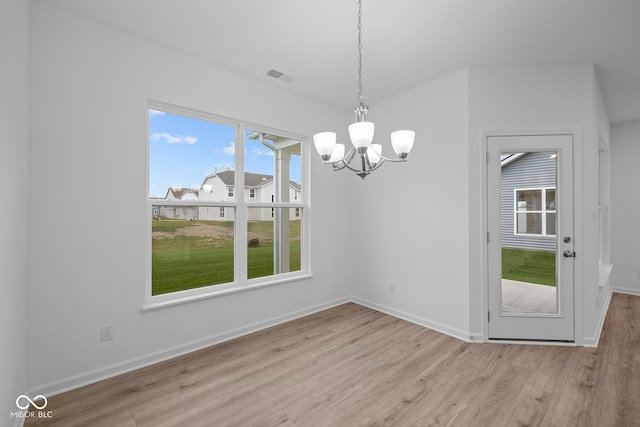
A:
(352, 366)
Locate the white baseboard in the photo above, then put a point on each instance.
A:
(90, 377)
(447, 330)
(594, 340)
(628, 291)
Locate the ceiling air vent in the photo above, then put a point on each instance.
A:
(280, 76)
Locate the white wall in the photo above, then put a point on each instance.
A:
(625, 205)
(409, 221)
(90, 86)
(14, 138)
(530, 98)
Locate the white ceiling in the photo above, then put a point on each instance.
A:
(405, 42)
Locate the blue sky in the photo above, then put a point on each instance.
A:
(184, 150)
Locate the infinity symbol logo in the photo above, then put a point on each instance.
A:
(30, 402)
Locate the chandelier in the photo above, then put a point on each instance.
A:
(361, 135)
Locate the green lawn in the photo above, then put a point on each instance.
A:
(529, 266)
(187, 259)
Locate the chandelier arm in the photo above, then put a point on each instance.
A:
(386, 159)
(346, 163)
(346, 159)
(351, 168)
(350, 155)
(393, 160)
(377, 166)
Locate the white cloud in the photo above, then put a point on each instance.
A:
(190, 139)
(173, 139)
(230, 149)
(156, 113)
(259, 151)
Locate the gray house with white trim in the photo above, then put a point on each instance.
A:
(528, 201)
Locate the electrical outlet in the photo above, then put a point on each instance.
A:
(392, 287)
(106, 332)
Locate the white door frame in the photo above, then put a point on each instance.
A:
(577, 171)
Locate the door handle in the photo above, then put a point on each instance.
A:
(569, 254)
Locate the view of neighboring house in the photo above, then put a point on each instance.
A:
(528, 201)
(220, 187)
(178, 212)
(179, 193)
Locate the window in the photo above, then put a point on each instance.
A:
(535, 211)
(194, 165)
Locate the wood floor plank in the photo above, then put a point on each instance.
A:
(494, 400)
(529, 409)
(353, 366)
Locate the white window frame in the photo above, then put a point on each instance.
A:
(241, 283)
(543, 211)
(230, 192)
(604, 223)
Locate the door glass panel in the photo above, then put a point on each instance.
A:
(528, 232)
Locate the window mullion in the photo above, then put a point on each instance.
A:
(543, 209)
(241, 210)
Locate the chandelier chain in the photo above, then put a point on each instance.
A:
(360, 97)
(361, 134)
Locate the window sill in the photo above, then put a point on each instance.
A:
(169, 300)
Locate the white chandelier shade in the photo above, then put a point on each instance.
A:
(324, 142)
(374, 153)
(337, 154)
(361, 134)
(402, 142)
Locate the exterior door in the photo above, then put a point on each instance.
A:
(530, 237)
